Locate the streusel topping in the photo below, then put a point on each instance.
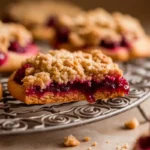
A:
(32, 13)
(62, 66)
(93, 26)
(13, 33)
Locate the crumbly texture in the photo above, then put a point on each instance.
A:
(123, 147)
(0, 91)
(90, 148)
(71, 141)
(94, 144)
(87, 30)
(86, 139)
(10, 32)
(38, 13)
(62, 66)
(132, 124)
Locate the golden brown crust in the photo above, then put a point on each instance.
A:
(0, 91)
(43, 33)
(15, 60)
(18, 91)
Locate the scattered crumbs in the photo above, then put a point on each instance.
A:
(90, 148)
(71, 141)
(123, 147)
(132, 124)
(86, 139)
(94, 144)
(107, 141)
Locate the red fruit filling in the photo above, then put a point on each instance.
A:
(62, 33)
(110, 84)
(113, 45)
(52, 21)
(16, 47)
(144, 143)
(20, 74)
(3, 58)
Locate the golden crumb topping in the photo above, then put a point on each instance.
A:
(32, 13)
(87, 138)
(93, 26)
(13, 32)
(62, 66)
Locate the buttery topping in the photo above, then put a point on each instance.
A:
(62, 66)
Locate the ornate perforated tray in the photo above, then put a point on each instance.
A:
(17, 117)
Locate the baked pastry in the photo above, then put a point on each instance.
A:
(39, 16)
(62, 76)
(0, 91)
(15, 46)
(143, 143)
(117, 35)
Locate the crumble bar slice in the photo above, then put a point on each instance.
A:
(62, 76)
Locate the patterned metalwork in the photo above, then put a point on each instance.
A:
(17, 117)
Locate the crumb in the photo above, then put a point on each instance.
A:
(86, 139)
(107, 141)
(132, 124)
(123, 147)
(90, 148)
(71, 141)
(94, 144)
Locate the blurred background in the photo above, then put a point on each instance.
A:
(137, 8)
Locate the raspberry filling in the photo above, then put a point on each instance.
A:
(62, 32)
(20, 74)
(16, 47)
(110, 84)
(3, 58)
(144, 143)
(114, 45)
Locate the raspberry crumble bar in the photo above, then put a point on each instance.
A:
(62, 76)
(116, 35)
(38, 16)
(15, 46)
